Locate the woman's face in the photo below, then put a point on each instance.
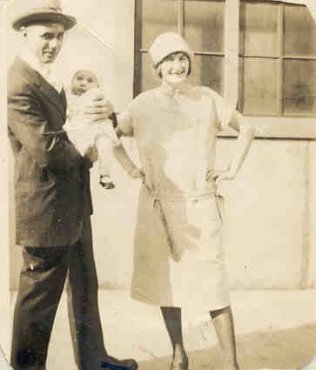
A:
(175, 68)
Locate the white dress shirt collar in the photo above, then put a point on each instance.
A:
(46, 71)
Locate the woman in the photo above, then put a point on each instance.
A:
(178, 257)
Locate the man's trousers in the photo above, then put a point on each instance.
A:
(42, 280)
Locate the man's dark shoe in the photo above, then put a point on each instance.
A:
(111, 363)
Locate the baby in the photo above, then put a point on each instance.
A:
(101, 136)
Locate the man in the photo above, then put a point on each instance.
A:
(52, 200)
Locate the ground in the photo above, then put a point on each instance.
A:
(275, 330)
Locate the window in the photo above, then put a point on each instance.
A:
(277, 59)
(276, 51)
(202, 24)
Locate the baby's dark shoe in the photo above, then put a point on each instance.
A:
(106, 182)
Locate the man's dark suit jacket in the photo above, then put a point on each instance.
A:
(51, 178)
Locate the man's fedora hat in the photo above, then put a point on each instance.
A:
(39, 11)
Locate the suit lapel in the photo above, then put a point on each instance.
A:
(55, 98)
(63, 99)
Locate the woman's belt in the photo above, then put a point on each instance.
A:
(181, 197)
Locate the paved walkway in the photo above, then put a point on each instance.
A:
(275, 329)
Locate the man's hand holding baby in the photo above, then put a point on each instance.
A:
(93, 130)
(96, 107)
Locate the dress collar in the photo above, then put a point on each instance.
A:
(169, 90)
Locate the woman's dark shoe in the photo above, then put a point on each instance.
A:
(111, 363)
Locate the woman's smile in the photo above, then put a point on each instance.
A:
(175, 68)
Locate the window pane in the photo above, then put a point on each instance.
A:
(259, 86)
(144, 75)
(204, 24)
(299, 31)
(259, 29)
(299, 86)
(208, 71)
(154, 17)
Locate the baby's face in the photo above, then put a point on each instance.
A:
(82, 82)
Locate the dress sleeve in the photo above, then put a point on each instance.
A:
(125, 121)
(226, 114)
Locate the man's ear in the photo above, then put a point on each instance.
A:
(23, 31)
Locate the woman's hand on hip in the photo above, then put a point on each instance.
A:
(227, 175)
(219, 175)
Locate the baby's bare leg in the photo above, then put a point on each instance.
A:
(105, 152)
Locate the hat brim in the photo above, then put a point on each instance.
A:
(189, 55)
(66, 20)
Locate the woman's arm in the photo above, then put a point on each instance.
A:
(124, 125)
(245, 137)
(120, 154)
(118, 132)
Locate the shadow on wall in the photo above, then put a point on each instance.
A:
(284, 349)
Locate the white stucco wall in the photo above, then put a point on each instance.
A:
(264, 225)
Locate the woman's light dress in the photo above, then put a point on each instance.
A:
(178, 256)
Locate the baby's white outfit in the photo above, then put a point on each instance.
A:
(85, 134)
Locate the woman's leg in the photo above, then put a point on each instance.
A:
(172, 319)
(224, 326)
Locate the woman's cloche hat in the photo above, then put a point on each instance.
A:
(37, 11)
(166, 44)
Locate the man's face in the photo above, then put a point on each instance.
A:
(44, 40)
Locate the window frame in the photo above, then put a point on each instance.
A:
(281, 57)
(268, 126)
